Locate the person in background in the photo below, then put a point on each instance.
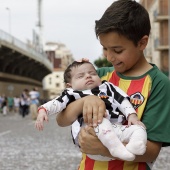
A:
(10, 103)
(16, 104)
(34, 102)
(123, 31)
(5, 105)
(1, 101)
(24, 103)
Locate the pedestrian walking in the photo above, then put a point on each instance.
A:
(10, 103)
(34, 102)
(24, 102)
(16, 104)
(5, 106)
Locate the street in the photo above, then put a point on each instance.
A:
(22, 147)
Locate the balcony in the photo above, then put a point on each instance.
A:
(160, 16)
(161, 44)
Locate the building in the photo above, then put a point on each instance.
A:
(53, 84)
(61, 57)
(157, 50)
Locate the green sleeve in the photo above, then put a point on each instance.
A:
(104, 70)
(156, 115)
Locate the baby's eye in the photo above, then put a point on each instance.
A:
(93, 73)
(79, 77)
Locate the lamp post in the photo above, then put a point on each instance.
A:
(9, 19)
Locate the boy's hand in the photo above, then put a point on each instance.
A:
(90, 143)
(133, 119)
(94, 110)
(42, 116)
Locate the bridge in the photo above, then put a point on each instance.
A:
(21, 66)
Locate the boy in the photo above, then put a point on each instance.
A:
(123, 31)
(81, 80)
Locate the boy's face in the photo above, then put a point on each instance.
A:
(121, 52)
(84, 77)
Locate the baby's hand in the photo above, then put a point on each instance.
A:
(133, 119)
(42, 116)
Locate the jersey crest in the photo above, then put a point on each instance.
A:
(103, 95)
(136, 99)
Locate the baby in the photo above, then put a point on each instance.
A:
(81, 80)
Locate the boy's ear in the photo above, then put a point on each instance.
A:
(68, 85)
(143, 42)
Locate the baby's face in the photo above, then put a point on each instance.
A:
(84, 77)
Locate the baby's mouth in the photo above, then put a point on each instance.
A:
(89, 82)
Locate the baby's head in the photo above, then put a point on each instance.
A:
(81, 76)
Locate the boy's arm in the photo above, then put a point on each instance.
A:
(92, 108)
(152, 151)
(90, 144)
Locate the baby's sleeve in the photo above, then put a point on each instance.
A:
(58, 104)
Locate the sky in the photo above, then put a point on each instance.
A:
(65, 21)
(70, 22)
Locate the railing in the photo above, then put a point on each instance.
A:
(31, 52)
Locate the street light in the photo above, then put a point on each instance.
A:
(9, 19)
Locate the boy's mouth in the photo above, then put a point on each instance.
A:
(118, 64)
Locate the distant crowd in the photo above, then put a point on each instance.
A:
(25, 103)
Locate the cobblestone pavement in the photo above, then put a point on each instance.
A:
(22, 147)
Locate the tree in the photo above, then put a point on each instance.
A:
(102, 62)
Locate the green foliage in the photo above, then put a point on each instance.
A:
(102, 62)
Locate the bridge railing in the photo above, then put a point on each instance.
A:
(11, 41)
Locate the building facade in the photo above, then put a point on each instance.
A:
(53, 84)
(157, 50)
(61, 57)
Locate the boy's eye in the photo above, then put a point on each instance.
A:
(118, 51)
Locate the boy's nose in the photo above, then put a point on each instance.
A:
(110, 57)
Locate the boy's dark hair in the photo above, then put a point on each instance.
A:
(127, 18)
(67, 72)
